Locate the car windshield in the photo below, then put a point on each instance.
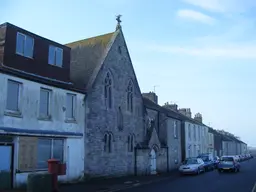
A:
(226, 159)
(190, 161)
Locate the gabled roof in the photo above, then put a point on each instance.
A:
(87, 57)
(170, 113)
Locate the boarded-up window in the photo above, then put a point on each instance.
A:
(27, 153)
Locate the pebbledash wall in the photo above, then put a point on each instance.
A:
(35, 139)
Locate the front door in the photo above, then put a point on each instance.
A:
(5, 167)
(153, 162)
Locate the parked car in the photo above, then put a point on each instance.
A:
(208, 161)
(192, 166)
(228, 163)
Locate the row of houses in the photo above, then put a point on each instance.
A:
(81, 103)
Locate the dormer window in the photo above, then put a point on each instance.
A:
(55, 56)
(24, 45)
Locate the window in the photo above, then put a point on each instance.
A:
(108, 91)
(24, 45)
(130, 97)
(194, 130)
(13, 95)
(119, 119)
(55, 56)
(108, 139)
(49, 148)
(45, 103)
(189, 131)
(70, 106)
(119, 50)
(175, 129)
(131, 141)
(199, 133)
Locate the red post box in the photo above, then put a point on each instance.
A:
(53, 168)
(62, 169)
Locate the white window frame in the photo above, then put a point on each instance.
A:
(48, 116)
(194, 132)
(74, 99)
(189, 131)
(52, 141)
(55, 53)
(9, 111)
(23, 54)
(199, 133)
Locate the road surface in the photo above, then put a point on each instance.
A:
(207, 182)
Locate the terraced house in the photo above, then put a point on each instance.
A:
(167, 124)
(41, 111)
(194, 135)
(116, 136)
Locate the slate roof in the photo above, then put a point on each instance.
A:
(151, 105)
(170, 113)
(87, 56)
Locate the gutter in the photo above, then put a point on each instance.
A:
(135, 161)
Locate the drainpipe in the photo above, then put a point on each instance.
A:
(158, 123)
(167, 158)
(135, 161)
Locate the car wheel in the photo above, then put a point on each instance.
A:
(198, 171)
(219, 170)
(203, 170)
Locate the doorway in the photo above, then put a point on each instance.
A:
(152, 162)
(6, 166)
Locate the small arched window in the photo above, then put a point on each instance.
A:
(119, 119)
(105, 142)
(108, 139)
(131, 142)
(108, 91)
(130, 97)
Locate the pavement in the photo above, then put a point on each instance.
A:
(244, 181)
(117, 184)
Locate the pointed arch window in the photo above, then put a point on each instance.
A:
(130, 97)
(108, 91)
(108, 140)
(119, 119)
(131, 142)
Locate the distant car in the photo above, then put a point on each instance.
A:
(192, 166)
(228, 163)
(236, 157)
(208, 161)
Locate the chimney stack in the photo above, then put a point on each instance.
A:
(173, 107)
(151, 96)
(198, 117)
(185, 111)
